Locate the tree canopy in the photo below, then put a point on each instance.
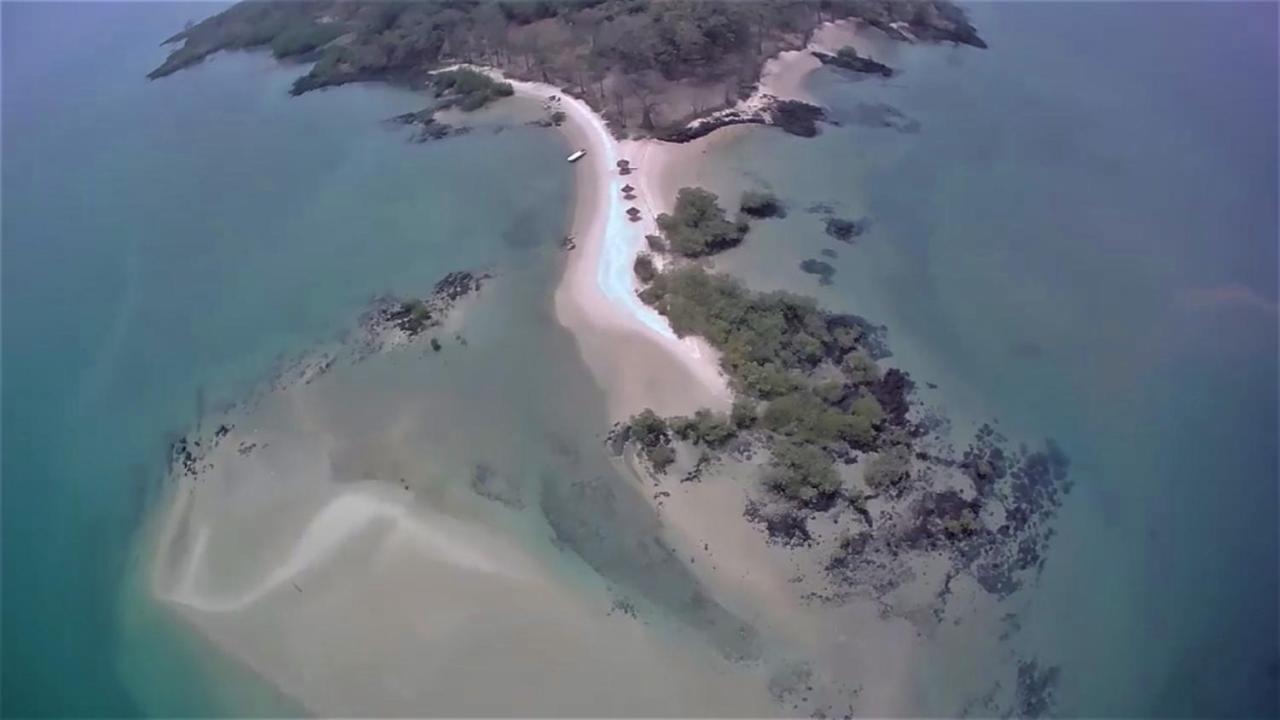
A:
(698, 226)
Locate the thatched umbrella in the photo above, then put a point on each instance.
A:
(623, 163)
(634, 212)
(629, 196)
(628, 189)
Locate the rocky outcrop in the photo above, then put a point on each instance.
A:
(920, 20)
(849, 59)
(427, 127)
(792, 116)
(412, 316)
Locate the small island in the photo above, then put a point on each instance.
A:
(649, 68)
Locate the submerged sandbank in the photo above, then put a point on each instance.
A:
(432, 598)
(390, 539)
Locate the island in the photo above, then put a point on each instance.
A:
(831, 454)
(647, 67)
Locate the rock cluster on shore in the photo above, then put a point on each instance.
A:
(849, 59)
(388, 323)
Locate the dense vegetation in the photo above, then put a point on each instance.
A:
(810, 392)
(468, 89)
(805, 380)
(646, 64)
(697, 226)
(644, 268)
(303, 38)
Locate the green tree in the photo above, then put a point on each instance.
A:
(697, 226)
(889, 469)
(801, 472)
(860, 368)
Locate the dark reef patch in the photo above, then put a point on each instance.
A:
(845, 230)
(824, 271)
(880, 115)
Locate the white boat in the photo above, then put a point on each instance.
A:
(576, 156)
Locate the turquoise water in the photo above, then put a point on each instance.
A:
(1080, 240)
(164, 243)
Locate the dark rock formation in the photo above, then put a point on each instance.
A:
(849, 59)
(427, 127)
(792, 116)
(824, 271)
(414, 315)
(847, 231)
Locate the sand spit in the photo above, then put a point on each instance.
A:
(360, 597)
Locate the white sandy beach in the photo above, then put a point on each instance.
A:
(423, 597)
(704, 520)
(629, 347)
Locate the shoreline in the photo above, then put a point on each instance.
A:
(631, 350)
(637, 361)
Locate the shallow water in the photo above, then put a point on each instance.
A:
(1078, 243)
(164, 243)
(1075, 232)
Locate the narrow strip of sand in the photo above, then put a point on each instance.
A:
(631, 349)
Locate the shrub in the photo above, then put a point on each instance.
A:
(864, 419)
(705, 427)
(648, 428)
(713, 429)
(743, 414)
(831, 392)
(644, 268)
(860, 368)
(888, 469)
(802, 415)
(801, 472)
(698, 226)
(469, 89)
(660, 457)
